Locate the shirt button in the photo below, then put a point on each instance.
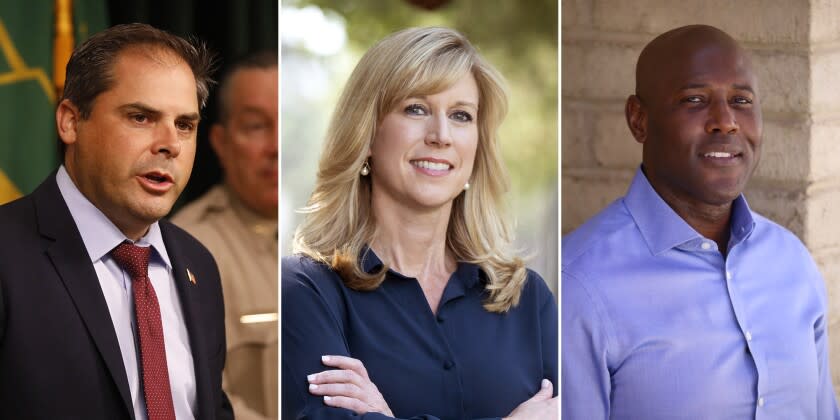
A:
(748, 335)
(448, 364)
(439, 318)
(729, 275)
(705, 245)
(761, 401)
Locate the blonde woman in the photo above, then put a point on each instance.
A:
(402, 299)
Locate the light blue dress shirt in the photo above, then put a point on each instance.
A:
(100, 236)
(656, 324)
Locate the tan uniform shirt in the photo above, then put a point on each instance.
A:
(244, 245)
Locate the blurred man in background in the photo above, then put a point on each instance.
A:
(237, 222)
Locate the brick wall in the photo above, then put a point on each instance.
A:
(796, 54)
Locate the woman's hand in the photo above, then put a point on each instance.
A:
(541, 406)
(349, 386)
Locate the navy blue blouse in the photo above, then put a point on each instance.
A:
(463, 363)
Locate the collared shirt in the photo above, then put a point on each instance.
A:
(100, 236)
(657, 324)
(244, 245)
(461, 363)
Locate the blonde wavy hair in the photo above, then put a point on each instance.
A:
(339, 223)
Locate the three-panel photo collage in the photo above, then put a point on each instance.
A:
(419, 209)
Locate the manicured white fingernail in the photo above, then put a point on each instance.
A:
(313, 386)
(325, 358)
(545, 383)
(327, 398)
(311, 377)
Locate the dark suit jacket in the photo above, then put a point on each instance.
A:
(59, 355)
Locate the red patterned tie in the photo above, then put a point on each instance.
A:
(135, 261)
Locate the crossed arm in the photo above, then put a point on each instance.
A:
(348, 386)
(342, 388)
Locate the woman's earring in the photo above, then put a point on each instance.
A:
(466, 186)
(365, 169)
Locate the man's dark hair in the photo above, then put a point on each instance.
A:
(90, 69)
(259, 60)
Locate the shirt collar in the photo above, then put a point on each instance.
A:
(468, 273)
(742, 222)
(663, 229)
(98, 233)
(264, 227)
(369, 261)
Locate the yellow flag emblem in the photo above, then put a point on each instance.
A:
(8, 191)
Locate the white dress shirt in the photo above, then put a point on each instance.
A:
(100, 236)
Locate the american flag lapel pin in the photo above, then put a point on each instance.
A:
(190, 276)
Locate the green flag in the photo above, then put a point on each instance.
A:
(28, 138)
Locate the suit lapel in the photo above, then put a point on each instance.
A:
(189, 295)
(70, 259)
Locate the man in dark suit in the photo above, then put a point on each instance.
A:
(105, 312)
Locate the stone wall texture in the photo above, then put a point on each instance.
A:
(796, 53)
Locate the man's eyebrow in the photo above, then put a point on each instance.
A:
(738, 86)
(693, 86)
(139, 106)
(253, 110)
(192, 116)
(748, 88)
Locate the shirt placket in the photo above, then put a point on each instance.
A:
(451, 369)
(729, 275)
